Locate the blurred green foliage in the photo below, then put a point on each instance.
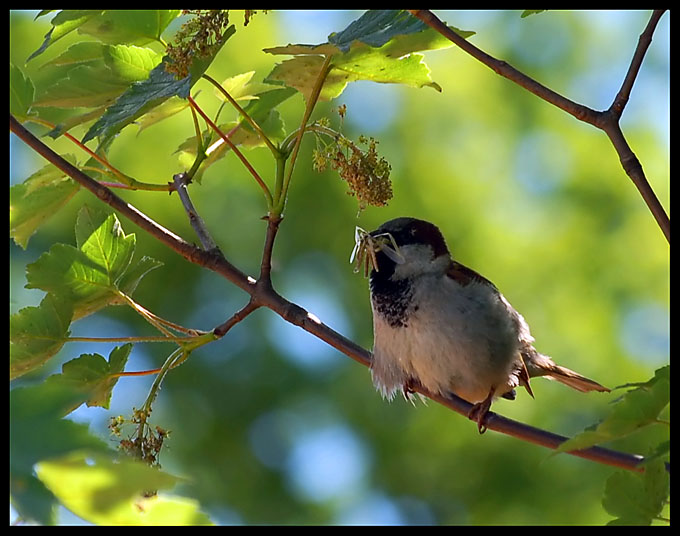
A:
(271, 426)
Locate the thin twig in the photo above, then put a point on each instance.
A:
(311, 102)
(235, 150)
(643, 44)
(197, 223)
(238, 316)
(293, 313)
(243, 113)
(606, 121)
(273, 223)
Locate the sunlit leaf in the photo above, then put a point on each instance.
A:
(37, 432)
(116, 26)
(131, 62)
(240, 87)
(98, 74)
(92, 374)
(21, 93)
(88, 274)
(380, 46)
(170, 107)
(87, 85)
(133, 275)
(37, 333)
(143, 97)
(129, 26)
(40, 196)
(64, 23)
(112, 492)
(83, 52)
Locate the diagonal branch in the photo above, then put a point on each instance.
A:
(264, 295)
(643, 44)
(607, 121)
(180, 181)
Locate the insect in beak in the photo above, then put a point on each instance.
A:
(367, 245)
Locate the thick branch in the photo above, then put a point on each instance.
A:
(265, 295)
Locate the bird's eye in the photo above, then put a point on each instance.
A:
(413, 231)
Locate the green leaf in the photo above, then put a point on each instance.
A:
(129, 26)
(88, 275)
(379, 27)
(21, 93)
(92, 375)
(100, 236)
(40, 196)
(98, 74)
(528, 12)
(637, 498)
(86, 85)
(137, 100)
(64, 23)
(637, 408)
(170, 107)
(78, 53)
(75, 120)
(133, 275)
(144, 96)
(118, 26)
(131, 62)
(37, 432)
(379, 46)
(107, 492)
(240, 87)
(37, 333)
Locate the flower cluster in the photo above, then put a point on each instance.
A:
(366, 173)
(199, 37)
(146, 444)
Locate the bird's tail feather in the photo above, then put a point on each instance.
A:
(541, 365)
(574, 380)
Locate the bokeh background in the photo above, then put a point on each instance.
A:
(270, 425)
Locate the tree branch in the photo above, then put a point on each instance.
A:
(180, 182)
(606, 121)
(264, 295)
(643, 44)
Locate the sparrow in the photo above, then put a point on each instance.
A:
(442, 325)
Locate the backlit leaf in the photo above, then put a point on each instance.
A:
(92, 375)
(40, 196)
(380, 46)
(37, 333)
(637, 498)
(129, 26)
(21, 92)
(144, 96)
(64, 23)
(112, 492)
(89, 274)
(637, 408)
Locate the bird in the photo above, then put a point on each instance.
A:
(443, 326)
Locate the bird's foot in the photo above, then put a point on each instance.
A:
(479, 412)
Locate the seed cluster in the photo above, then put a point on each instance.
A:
(199, 37)
(367, 174)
